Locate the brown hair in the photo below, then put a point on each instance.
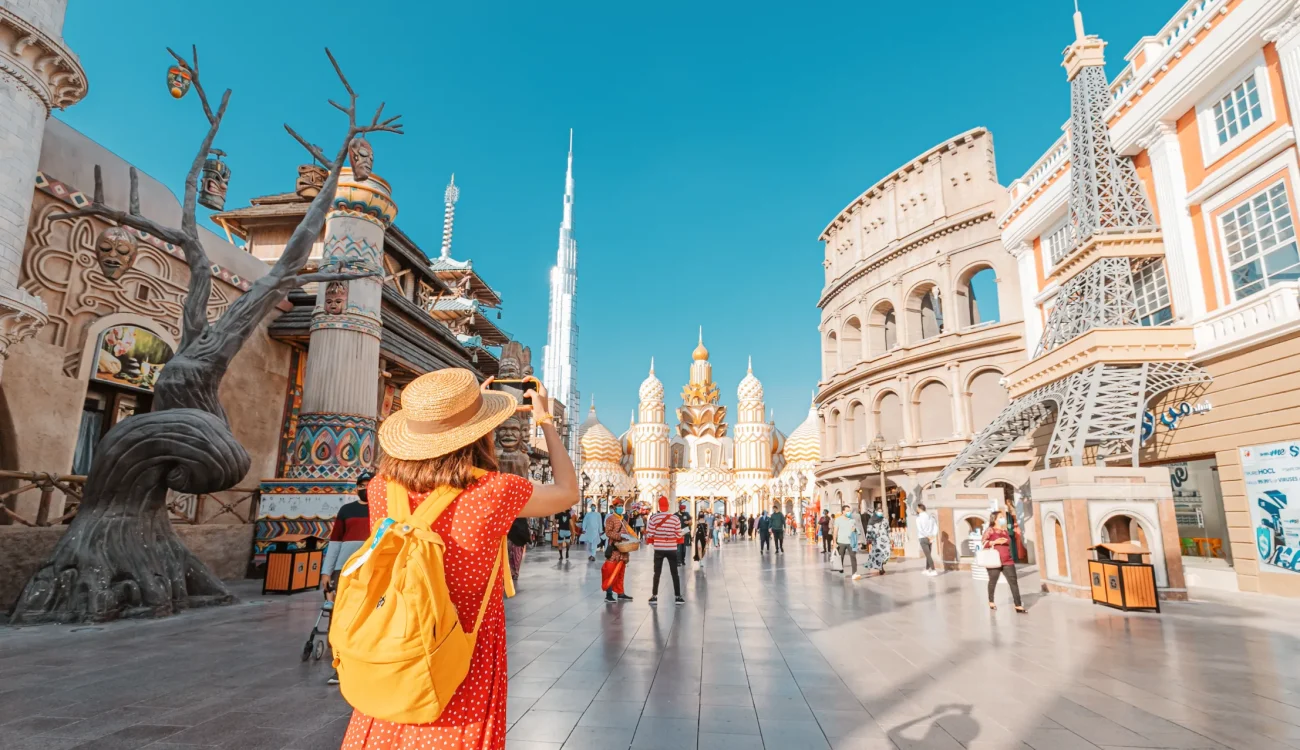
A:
(455, 469)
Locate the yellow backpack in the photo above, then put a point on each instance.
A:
(399, 647)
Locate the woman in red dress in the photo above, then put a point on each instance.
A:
(443, 437)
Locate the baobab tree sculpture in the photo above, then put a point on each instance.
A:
(120, 556)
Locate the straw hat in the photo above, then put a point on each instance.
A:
(442, 411)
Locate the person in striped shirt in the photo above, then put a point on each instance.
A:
(664, 533)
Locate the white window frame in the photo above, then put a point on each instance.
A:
(1058, 226)
(1220, 230)
(1211, 150)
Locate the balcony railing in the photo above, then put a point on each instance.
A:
(182, 508)
(1269, 313)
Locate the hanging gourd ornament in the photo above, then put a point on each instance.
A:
(179, 80)
(215, 181)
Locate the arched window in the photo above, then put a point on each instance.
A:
(1124, 528)
(934, 409)
(977, 297)
(924, 313)
(833, 433)
(1058, 536)
(889, 418)
(987, 398)
(883, 329)
(831, 356)
(858, 415)
(852, 335)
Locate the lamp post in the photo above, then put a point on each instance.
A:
(605, 490)
(884, 458)
(586, 482)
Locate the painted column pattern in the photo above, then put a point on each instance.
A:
(336, 432)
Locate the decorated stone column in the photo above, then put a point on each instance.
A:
(335, 440)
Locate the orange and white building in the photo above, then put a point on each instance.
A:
(1207, 109)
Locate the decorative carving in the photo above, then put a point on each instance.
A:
(336, 298)
(215, 182)
(511, 361)
(311, 178)
(21, 317)
(361, 155)
(511, 458)
(116, 250)
(39, 62)
(179, 80)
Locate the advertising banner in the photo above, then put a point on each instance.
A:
(1272, 474)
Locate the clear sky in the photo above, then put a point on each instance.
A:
(713, 140)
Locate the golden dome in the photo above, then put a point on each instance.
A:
(700, 354)
(597, 442)
(804, 444)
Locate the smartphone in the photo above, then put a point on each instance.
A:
(523, 384)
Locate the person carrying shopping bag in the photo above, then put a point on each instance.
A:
(995, 554)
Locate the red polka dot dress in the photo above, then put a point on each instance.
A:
(472, 528)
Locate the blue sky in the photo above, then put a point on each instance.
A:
(713, 141)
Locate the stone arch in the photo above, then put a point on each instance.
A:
(90, 347)
(833, 433)
(933, 403)
(889, 417)
(966, 524)
(856, 437)
(924, 312)
(830, 355)
(1140, 528)
(851, 342)
(1056, 556)
(977, 295)
(882, 328)
(986, 396)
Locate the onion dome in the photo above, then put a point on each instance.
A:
(651, 388)
(700, 354)
(750, 388)
(597, 442)
(778, 441)
(804, 444)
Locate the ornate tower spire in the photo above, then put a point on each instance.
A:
(560, 358)
(449, 199)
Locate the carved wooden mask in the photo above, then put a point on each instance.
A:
(116, 250)
(362, 157)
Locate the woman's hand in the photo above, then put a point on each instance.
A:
(540, 405)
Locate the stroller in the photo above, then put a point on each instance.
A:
(314, 648)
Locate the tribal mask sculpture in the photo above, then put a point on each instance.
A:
(511, 458)
(215, 182)
(311, 178)
(116, 250)
(178, 81)
(336, 298)
(362, 157)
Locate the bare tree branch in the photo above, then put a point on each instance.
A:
(312, 148)
(134, 206)
(97, 209)
(324, 277)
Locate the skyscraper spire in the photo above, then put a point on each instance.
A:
(560, 358)
(449, 199)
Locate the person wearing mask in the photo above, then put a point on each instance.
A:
(928, 530)
(611, 573)
(715, 528)
(846, 538)
(440, 447)
(764, 533)
(664, 534)
(351, 529)
(777, 522)
(882, 547)
(683, 517)
(592, 530)
(701, 539)
(824, 528)
(997, 538)
(564, 531)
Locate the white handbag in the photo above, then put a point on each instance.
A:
(988, 557)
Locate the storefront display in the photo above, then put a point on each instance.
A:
(1272, 475)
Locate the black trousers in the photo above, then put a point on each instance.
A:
(1010, 572)
(764, 540)
(779, 538)
(681, 553)
(826, 542)
(701, 545)
(671, 556)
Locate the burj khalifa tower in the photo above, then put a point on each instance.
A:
(560, 359)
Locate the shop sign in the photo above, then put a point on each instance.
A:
(1171, 417)
(130, 356)
(1272, 474)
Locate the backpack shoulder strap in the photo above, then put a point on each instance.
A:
(492, 584)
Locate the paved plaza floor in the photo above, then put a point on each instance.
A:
(769, 652)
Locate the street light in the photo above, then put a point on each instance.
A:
(586, 482)
(883, 458)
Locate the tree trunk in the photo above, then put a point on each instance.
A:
(120, 556)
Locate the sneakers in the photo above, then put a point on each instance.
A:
(591, 558)
(624, 598)
(680, 601)
(654, 600)
(857, 576)
(333, 680)
(609, 596)
(932, 573)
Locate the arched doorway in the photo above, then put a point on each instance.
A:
(1122, 527)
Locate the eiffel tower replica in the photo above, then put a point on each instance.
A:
(1096, 368)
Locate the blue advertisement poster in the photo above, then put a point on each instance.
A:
(1272, 474)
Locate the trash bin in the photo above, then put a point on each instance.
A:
(293, 564)
(1120, 578)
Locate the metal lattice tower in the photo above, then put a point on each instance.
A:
(1100, 406)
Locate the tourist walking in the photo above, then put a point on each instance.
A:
(638, 523)
(752, 523)
(701, 539)
(439, 448)
(593, 528)
(882, 546)
(664, 534)
(684, 518)
(764, 533)
(564, 526)
(611, 573)
(997, 538)
(715, 528)
(517, 539)
(928, 530)
(824, 528)
(847, 535)
(777, 522)
(350, 530)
